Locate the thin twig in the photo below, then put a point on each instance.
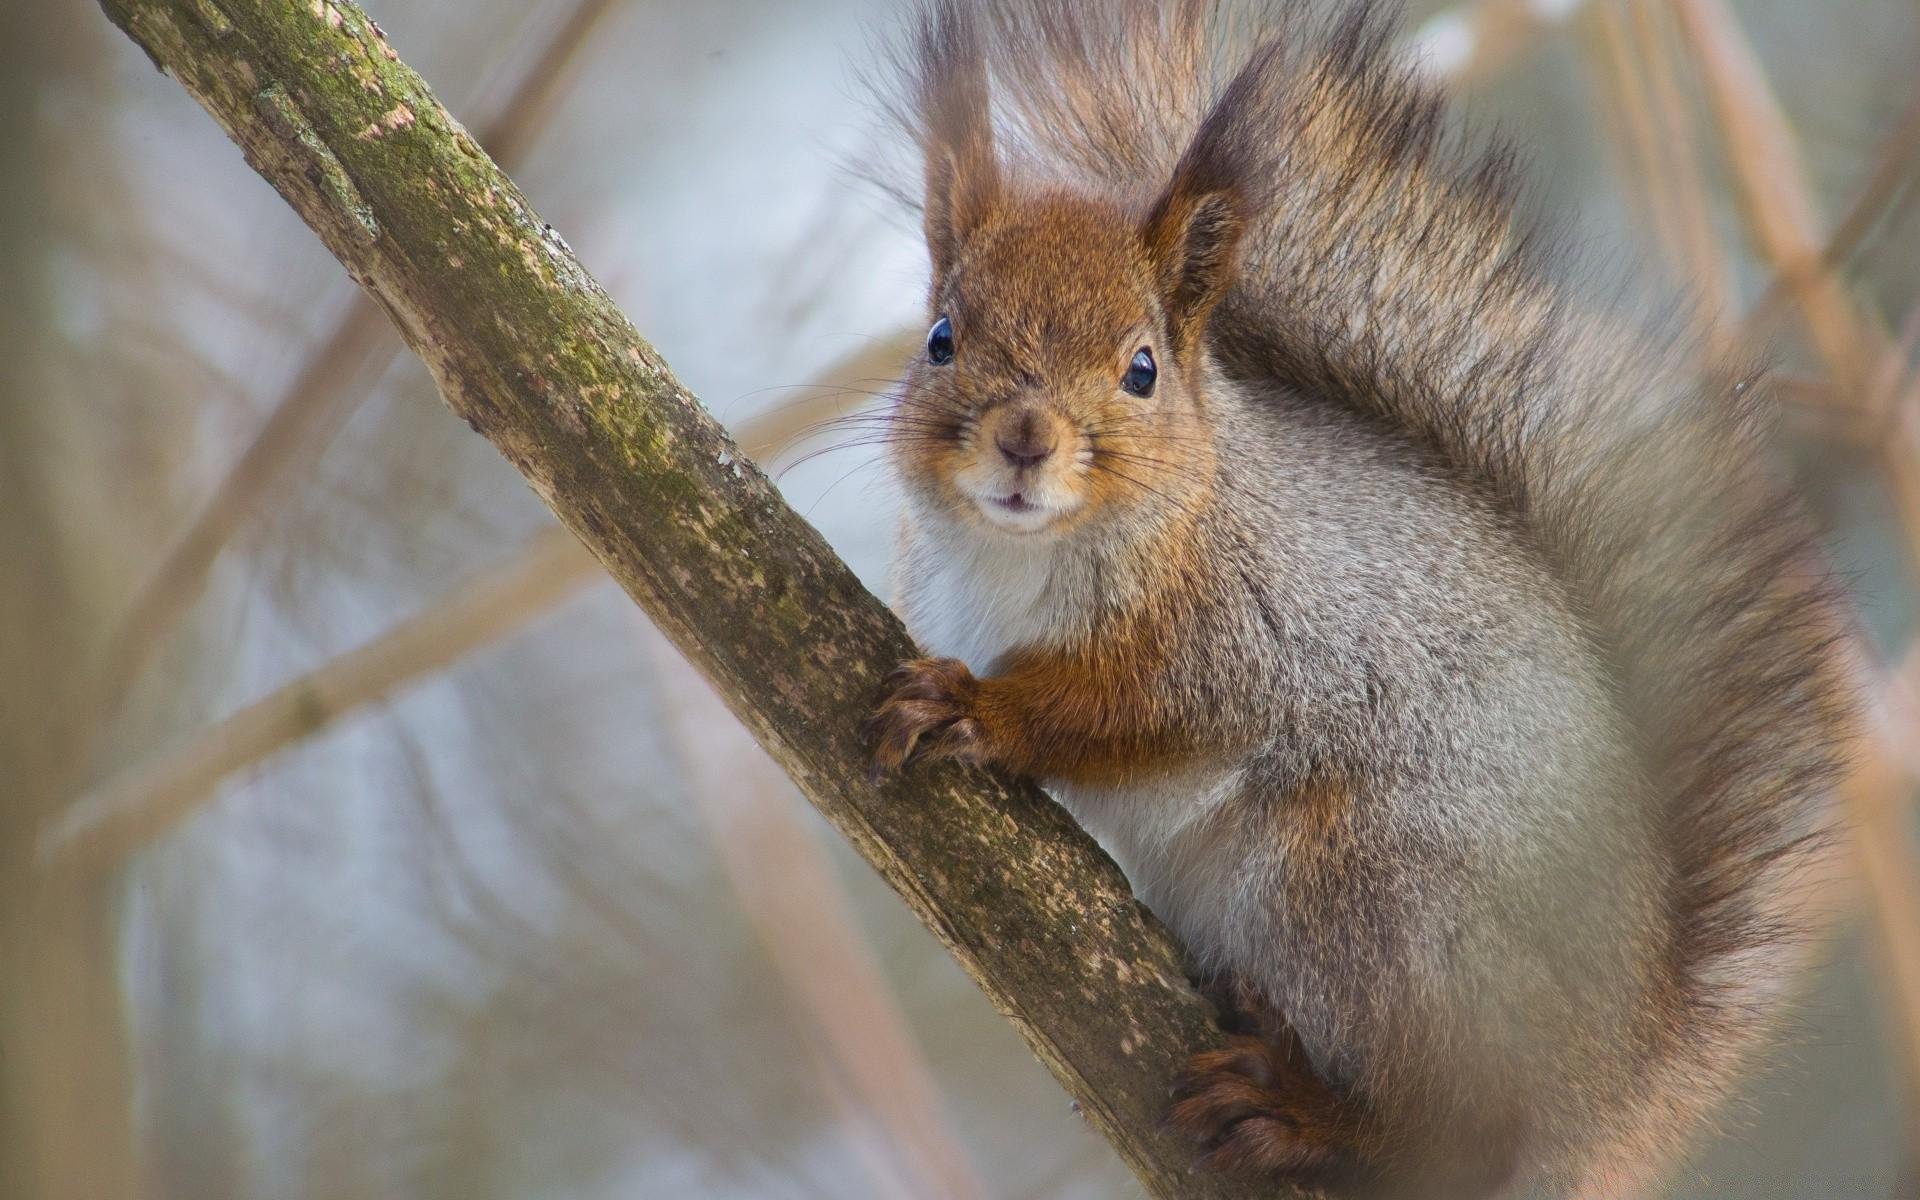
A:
(1876, 206)
(1708, 271)
(1901, 400)
(782, 427)
(1785, 225)
(1630, 119)
(1782, 215)
(137, 805)
(1885, 848)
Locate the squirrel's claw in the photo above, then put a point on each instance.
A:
(928, 713)
(1247, 1107)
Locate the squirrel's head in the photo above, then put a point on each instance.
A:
(1064, 364)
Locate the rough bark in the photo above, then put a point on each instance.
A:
(529, 350)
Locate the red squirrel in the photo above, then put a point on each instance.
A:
(1434, 652)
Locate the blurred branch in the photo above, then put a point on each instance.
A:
(782, 427)
(1707, 269)
(1778, 200)
(108, 825)
(1884, 845)
(1785, 225)
(1782, 215)
(99, 829)
(1636, 144)
(530, 351)
(1906, 399)
(68, 1123)
(1886, 189)
(1470, 41)
(787, 889)
(331, 383)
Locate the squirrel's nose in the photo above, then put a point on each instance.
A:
(1026, 441)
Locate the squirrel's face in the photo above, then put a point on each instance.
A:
(1063, 364)
(1051, 387)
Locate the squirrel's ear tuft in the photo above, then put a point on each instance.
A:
(1191, 238)
(956, 131)
(1221, 183)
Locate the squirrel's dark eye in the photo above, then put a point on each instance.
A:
(940, 342)
(1140, 373)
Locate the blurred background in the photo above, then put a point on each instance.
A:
(359, 840)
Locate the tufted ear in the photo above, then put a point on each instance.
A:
(956, 132)
(1192, 233)
(1191, 236)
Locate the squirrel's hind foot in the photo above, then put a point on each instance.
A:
(1256, 1105)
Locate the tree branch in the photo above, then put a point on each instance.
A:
(331, 383)
(102, 828)
(1781, 213)
(531, 352)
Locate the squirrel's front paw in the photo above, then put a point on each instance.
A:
(928, 713)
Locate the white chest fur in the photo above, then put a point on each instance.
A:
(1183, 863)
(975, 597)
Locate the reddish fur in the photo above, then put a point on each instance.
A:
(1088, 713)
(1026, 247)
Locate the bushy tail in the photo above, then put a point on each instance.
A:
(1385, 269)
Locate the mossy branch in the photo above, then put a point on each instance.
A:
(528, 349)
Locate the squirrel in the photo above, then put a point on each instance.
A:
(1437, 655)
